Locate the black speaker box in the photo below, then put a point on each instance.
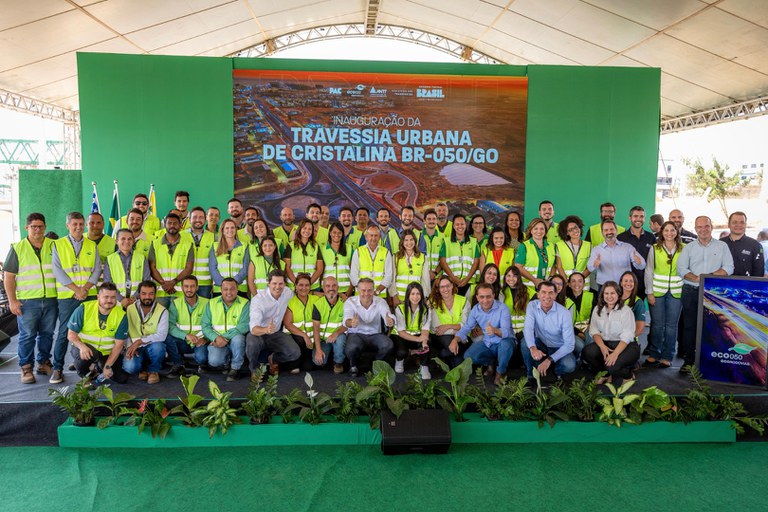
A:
(422, 431)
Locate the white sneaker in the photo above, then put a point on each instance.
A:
(425, 375)
(399, 366)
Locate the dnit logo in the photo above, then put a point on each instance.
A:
(431, 92)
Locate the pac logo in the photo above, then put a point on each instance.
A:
(334, 90)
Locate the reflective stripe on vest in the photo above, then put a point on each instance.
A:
(302, 313)
(454, 316)
(201, 270)
(171, 266)
(581, 316)
(665, 278)
(78, 267)
(300, 262)
(117, 272)
(517, 319)
(460, 256)
(221, 320)
(408, 273)
(412, 324)
(138, 328)
(230, 264)
(532, 260)
(261, 268)
(566, 257)
(433, 246)
(102, 340)
(330, 317)
(35, 279)
(507, 259)
(337, 265)
(372, 269)
(190, 322)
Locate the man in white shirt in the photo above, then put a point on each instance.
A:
(267, 311)
(363, 314)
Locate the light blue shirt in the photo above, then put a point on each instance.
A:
(554, 328)
(499, 318)
(614, 261)
(699, 259)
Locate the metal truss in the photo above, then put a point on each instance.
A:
(372, 17)
(27, 152)
(39, 108)
(410, 35)
(743, 110)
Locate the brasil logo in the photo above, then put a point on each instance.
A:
(741, 348)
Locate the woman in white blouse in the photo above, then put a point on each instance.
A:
(612, 328)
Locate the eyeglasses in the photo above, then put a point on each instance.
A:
(141, 203)
(36, 226)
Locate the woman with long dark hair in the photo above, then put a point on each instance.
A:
(264, 259)
(337, 256)
(513, 229)
(229, 258)
(460, 255)
(449, 313)
(410, 267)
(303, 255)
(515, 295)
(411, 332)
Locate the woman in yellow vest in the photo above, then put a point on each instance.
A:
(303, 255)
(264, 258)
(460, 255)
(449, 313)
(337, 256)
(411, 331)
(572, 252)
(229, 258)
(479, 230)
(628, 285)
(498, 252)
(491, 275)
(513, 230)
(661, 277)
(580, 302)
(409, 268)
(298, 320)
(536, 256)
(515, 295)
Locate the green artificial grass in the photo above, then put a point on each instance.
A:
(471, 477)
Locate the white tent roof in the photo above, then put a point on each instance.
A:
(712, 53)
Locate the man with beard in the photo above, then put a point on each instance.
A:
(547, 213)
(126, 268)
(243, 234)
(284, 232)
(677, 217)
(140, 241)
(202, 241)
(321, 233)
(149, 223)
(612, 258)
(181, 201)
(357, 236)
(98, 330)
(407, 214)
(431, 240)
(212, 218)
(235, 211)
(747, 253)
(641, 240)
(147, 330)
(185, 332)
(595, 232)
(171, 259)
(389, 238)
(444, 225)
(345, 219)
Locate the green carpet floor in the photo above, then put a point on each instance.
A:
(470, 478)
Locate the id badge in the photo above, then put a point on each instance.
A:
(76, 268)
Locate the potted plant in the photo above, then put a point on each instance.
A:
(218, 414)
(190, 408)
(262, 401)
(80, 404)
(313, 407)
(379, 387)
(116, 406)
(456, 399)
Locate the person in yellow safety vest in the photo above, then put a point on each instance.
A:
(327, 329)
(346, 216)
(185, 330)
(325, 216)
(407, 214)
(595, 232)
(356, 237)
(580, 302)
(449, 313)
(303, 255)
(171, 259)
(515, 295)
(479, 231)
(430, 243)
(460, 255)
(264, 258)
(665, 289)
(140, 241)
(235, 211)
(410, 266)
(150, 223)
(202, 243)
(147, 330)
(298, 321)
(320, 233)
(513, 230)
(374, 262)
(284, 233)
(547, 214)
(105, 243)
(229, 258)
(212, 218)
(572, 253)
(98, 331)
(225, 324)
(411, 330)
(245, 234)
(337, 257)
(536, 256)
(258, 232)
(181, 202)
(77, 267)
(497, 251)
(126, 268)
(389, 238)
(31, 289)
(444, 225)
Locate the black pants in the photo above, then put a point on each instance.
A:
(441, 344)
(83, 366)
(624, 363)
(305, 360)
(280, 345)
(689, 316)
(402, 347)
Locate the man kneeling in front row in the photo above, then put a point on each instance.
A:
(97, 332)
(147, 329)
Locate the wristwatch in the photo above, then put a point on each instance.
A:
(108, 367)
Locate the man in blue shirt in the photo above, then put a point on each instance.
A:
(498, 342)
(548, 334)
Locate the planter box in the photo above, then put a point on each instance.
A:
(275, 433)
(478, 430)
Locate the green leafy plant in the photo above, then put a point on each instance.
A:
(652, 405)
(380, 383)
(582, 398)
(347, 407)
(456, 399)
(116, 406)
(421, 394)
(155, 416)
(262, 401)
(80, 404)
(548, 406)
(508, 401)
(312, 407)
(218, 414)
(288, 403)
(616, 407)
(190, 409)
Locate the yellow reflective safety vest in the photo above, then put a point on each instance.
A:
(453, 316)
(35, 279)
(412, 325)
(302, 313)
(433, 244)
(407, 273)
(150, 227)
(337, 265)
(78, 267)
(92, 333)
(126, 285)
(106, 246)
(190, 321)
(262, 268)
(282, 236)
(142, 246)
(229, 265)
(372, 268)
(330, 316)
(201, 270)
(583, 314)
(517, 318)
(138, 328)
(571, 265)
(532, 260)
(507, 259)
(665, 278)
(169, 266)
(221, 320)
(306, 263)
(460, 256)
(596, 233)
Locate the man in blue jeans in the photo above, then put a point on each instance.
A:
(31, 290)
(185, 330)
(225, 324)
(147, 329)
(498, 342)
(548, 339)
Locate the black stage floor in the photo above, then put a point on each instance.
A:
(27, 416)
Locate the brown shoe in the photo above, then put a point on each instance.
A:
(45, 368)
(497, 379)
(143, 375)
(274, 368)
(57, 377)
(27, 375)
(338, 368)
(152, 378)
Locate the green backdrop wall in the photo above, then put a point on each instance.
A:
(54, 193)
(592, 131)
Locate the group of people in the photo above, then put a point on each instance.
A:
(317, 293)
